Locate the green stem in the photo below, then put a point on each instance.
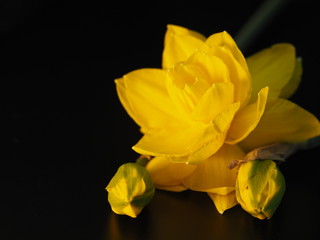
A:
(258, 22)
(143, 160)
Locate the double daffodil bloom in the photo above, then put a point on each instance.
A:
(208, 105)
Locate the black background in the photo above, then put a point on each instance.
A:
(64, 132)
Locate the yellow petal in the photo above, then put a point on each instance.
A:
(167, 175)
(144, 96)
(224, 40)
(213, 174)
(272, 67)
(171, 142)
(223, 46)
(216, 99)
(283, 121)
(213, 68)
(213, 138)
(247, 118)
(294, 81)
(189, 145)
(223, 202)
(186, 84)
(179, 44)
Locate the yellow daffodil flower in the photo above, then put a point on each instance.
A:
(209, 105)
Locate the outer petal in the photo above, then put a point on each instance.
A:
(144, 96)
(223, 202)
(283, 121)
(179, 44)
(294, 81)
(171, 142)
(247, 118)
(272, 67)
(167, 175)
(213, 175)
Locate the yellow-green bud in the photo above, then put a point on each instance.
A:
(130, 189)
(260, 187)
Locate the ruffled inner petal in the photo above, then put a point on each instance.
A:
(223, 46)
(179, 44)
(214, 68)
(186, 85)
(224, 40)
(216, 99)
(212, 140)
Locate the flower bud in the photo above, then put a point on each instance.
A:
(260, 187)
(130, 189)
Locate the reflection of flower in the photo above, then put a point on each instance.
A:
(208, 105)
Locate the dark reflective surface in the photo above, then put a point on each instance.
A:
(65, 133)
